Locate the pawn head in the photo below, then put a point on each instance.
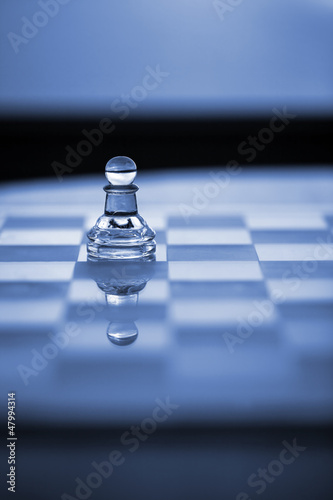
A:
(120, 171)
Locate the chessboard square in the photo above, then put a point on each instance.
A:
(290, 252)
(161, 252)
(285, 221)
(154, 336)
(24, 312)
(41, 237)
(311, 310)
(160, 237)
(202, 221)
(288, 236)
(214, 271)
(46, 222)
(156, 219)
(85, 291)
(42, 253)
(29, 290)
(152, 310)
(193, 336)
(221, 336)
(214, 312)
(208, 236)
(305, 290)
(90, 311)
(155, 291)
(223, 289)
(36, 271)
(160, 269)
(211, 252)
(308, 269)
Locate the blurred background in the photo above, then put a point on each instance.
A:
(170, 83)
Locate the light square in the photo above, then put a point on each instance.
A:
(285, 221)
(214, 312)
(161, 252)
(297, 252)
(85, 290)
(36, 271)
(31, 312)
(154, 291)
(41, 237)
(214, 271)
(301, 289)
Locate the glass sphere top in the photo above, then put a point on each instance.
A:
(120, 171)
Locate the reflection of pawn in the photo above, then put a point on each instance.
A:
(122, 282)
(122, 333)
(121, 233)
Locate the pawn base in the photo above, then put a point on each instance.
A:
(98, 252)
(120, 237)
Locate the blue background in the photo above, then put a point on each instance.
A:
(254, 57)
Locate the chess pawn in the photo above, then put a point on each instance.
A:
(120, 233)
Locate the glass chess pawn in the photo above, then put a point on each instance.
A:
(120, 233)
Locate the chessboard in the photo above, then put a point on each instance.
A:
(232, 322)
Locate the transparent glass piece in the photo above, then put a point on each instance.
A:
(121, 233)
(120, 237)
(122, 333)
(120, 171)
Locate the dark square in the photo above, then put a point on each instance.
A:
(46, 222)
(30, 253)
(202, 221)
(211, 252)
(288, 236)
(223, 290)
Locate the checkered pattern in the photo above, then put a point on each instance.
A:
(214, 273)
(237, 259)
